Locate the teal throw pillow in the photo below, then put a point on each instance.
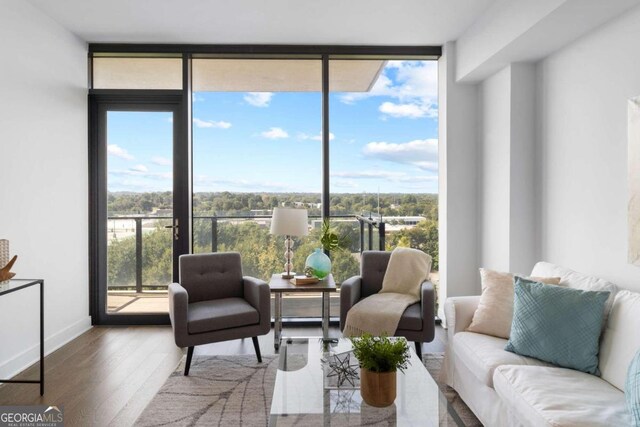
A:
(632, 390)
(557, 324)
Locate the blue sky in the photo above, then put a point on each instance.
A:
(384, 139)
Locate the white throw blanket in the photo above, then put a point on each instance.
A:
(379, 314)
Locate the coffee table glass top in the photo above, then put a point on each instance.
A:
(305, 395)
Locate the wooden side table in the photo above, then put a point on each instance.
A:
(278, 286)
(16, 285)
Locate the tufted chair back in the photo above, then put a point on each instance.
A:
(373, 265)
(211, 276)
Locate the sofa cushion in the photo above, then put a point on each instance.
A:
(558, 325)
(632, 390)
(482, 354)
(547, 396)
(225, 313)
(573, 279)
(621, 339)
(495, 309)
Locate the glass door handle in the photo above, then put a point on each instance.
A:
(176, 228)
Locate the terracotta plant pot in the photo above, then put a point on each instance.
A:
(378, 388)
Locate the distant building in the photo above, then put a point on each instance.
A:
(306, 205)
(261, 212)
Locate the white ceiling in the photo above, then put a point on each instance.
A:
(357, 22)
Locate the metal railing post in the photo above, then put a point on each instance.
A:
(361, 234)
(370, 236)
(214, 234)
(381, 234)
(138, 255)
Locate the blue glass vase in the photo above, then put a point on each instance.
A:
(318, 263)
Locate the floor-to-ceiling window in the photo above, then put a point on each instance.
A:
(256, 146)
(256, 142)
(384, 155)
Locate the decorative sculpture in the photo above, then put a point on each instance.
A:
(5, 272)
(340, 366)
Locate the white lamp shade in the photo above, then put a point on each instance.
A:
(289, 222)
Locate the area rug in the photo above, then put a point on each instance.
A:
(433, 363)
(237, 390)
(219, 391)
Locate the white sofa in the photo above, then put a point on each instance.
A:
(505, 389)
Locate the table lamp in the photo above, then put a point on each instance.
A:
(289, 222)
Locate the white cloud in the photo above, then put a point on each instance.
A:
(411, 111)
(396, 177)
(211, 124)
(258, 99)
(139, 168)
(161, 161)
(410, 83)
(142, 174)
(422, 153)
(196, 98)
(369, 175)
(116, 150)
(275, 133)
(208, 183)
(316, 137)
(345, 184)
(428, 166)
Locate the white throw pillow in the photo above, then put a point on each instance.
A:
(495, 309)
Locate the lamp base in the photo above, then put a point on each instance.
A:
(290, 275)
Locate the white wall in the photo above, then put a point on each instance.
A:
(507, 189)
(583, 92)
(494, 159)
(43, 176)
(458, 182)
(523, 236)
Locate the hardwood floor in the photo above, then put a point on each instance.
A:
(108, 375)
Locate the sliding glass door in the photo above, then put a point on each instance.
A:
(140, 233)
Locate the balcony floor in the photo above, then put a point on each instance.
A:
(293, 305)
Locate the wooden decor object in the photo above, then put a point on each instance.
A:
(378, 388)
(5, 272)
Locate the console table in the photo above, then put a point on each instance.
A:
(278, 286)
(15, 285)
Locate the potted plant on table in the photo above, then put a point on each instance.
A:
(380, 358)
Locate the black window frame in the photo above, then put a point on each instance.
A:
(188, 52)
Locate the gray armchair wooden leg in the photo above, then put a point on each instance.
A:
(187, 365)
(256, 347)
(419, 349)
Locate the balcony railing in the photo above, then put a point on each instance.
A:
(371, 224)
(372, 236)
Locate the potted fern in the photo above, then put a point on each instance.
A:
(380, 358)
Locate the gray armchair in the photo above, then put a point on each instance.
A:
(213, 302)
(418, 320)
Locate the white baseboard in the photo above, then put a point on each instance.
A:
(23, 360)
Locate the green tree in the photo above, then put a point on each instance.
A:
(423, 236)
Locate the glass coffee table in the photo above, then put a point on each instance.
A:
(307, 394)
